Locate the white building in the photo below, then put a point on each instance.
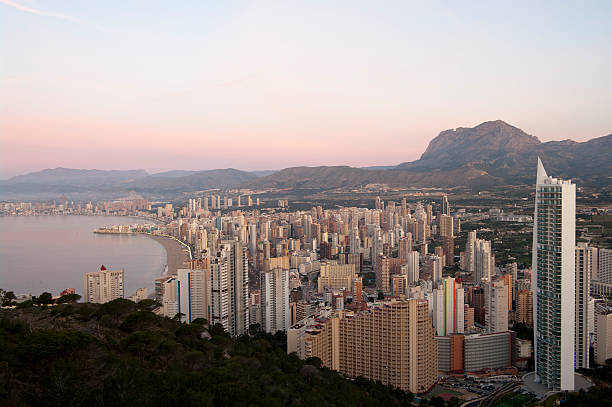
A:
(188, 293)
(230, 287)
(553, 280)
(496, 306)
(275, 300)
(484, 261)
(411, 267)
(448, 307)
(103, 286)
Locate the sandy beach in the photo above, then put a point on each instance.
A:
(176, 254)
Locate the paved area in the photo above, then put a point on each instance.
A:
(540, 391)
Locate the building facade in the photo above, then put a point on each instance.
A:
(553, 280)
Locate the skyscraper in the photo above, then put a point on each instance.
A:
(484, 261)
(275, 300)
(411, 267)
(553, 280)
(583, 272)
(448, 307)
(496, 306)
(230, 287)
(445, 205)
(187, 293)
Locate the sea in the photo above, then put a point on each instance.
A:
(51, 253)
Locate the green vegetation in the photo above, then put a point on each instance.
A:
(513, 400)
(121, 354)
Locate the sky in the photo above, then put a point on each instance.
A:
(254, 85)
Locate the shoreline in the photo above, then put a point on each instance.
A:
(176, 254)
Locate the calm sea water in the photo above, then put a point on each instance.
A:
(50, 253)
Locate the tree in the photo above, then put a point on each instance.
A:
(68, 298)
(7, 298)
(45, 298)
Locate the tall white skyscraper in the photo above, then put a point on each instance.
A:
(553, 280)
(230, 287)
(103, 286)
(275, 300)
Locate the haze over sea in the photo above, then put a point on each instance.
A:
(50, 253)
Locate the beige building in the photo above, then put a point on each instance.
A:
(103, 286)
(336, 276)
(392, 342)
(524, 307)
(383, 272)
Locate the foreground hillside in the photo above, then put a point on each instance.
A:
(121, 354)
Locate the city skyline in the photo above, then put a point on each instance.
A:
(159, 88)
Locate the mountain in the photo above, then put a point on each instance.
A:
(75, 177)
(264, 173)
(507, 152)
(197, 181)
(492, 153)
(173, 173)
(343, 177)
(98, 184)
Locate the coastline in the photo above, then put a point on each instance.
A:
(176, 255)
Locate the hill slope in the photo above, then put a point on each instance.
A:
(121, 354)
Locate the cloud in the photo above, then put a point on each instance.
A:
(31, 10)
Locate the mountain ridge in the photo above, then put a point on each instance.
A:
(491, 153)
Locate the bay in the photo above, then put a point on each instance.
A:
(51, 253)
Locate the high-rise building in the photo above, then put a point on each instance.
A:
(103, 286)
(405, 247)
(603, 333)
(230, 287)
(469, 251)
(496, 308)
(393, 342)
(484, 261)
(449, 307)
(383, 281)
(275, 300)
(553, 280)
(524, 307)
(187, 293)
(411, 267)
(604, 266)
(583, 273)
(445, 206)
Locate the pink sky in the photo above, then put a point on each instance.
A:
(272, 85)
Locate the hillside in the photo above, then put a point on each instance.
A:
(222, 178)
(121, 354)
(99, 184)
(349, 177)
